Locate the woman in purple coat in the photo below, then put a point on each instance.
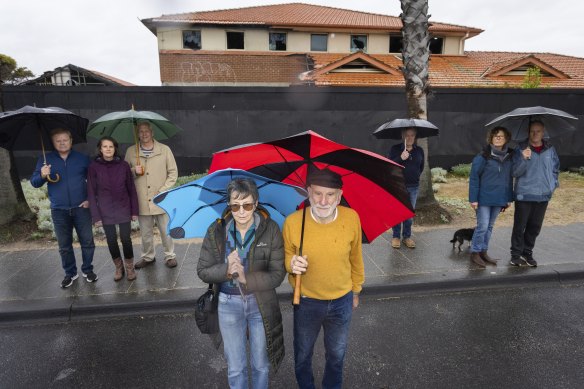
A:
(113, 201)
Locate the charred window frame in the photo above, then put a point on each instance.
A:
(278, 41)
(191, 39)
(235, 40)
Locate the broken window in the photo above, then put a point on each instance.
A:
(436, 45)
(278, 41)
(234, 40)
(395, 43)
(192, 40)
(358, 42)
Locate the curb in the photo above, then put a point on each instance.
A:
(182, 301)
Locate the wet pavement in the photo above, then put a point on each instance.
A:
(30, 280)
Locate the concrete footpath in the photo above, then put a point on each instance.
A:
(30, 280)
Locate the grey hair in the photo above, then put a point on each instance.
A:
(243, 187)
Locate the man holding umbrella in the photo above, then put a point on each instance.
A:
(411, 157)
(155, 173)
(69, 205)
(536, 167)
(331, 240)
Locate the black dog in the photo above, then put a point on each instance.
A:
(461, 235)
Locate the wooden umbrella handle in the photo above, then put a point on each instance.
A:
(296, 299)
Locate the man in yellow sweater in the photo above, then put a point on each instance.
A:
(332, 276)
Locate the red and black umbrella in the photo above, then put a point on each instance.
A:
(372, 185)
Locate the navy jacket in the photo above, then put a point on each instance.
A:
(491, 181)
(413, 166)
(111, 191)
(71, 190)
(536, 178)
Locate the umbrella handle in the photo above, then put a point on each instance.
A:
(49, 179)
(296, 299)
(53, 180)
(298, 281)
(137, 148)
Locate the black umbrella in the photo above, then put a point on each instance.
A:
(393, 129)
(556, 122)
(29, 128)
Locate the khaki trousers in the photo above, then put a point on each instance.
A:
(147, 233)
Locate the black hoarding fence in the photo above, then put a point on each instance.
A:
(215, 118)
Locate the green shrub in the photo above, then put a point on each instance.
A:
(461, 170)
(186, 179)
(438, 175)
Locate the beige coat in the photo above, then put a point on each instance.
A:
(160, 175)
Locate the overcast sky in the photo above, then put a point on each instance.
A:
(107, 35)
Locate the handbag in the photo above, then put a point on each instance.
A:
(206, 315)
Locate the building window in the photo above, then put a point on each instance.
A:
(318, 42)
(436, 45)
(278, 41)
(192, 40)
(358, 42)
(395, 43)
(235, 40)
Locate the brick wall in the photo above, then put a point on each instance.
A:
(203, 68)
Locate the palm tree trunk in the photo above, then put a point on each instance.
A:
(13, 204)
(415, 55)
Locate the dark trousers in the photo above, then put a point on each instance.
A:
(112, 240)
(334, 316)
(527, 224)
(64, 221)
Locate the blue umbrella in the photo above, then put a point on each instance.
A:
(194, 206)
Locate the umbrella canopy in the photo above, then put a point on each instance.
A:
(29, 128)
(194, 206)
(372, 185)
(393, 129)
(121, 126)
(556, 122)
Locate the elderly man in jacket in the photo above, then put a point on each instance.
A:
(155, 173)
(536, 167)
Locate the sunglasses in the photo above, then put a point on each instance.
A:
(246, 207)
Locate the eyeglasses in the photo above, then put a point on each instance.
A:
(246, 207)
(499, 136)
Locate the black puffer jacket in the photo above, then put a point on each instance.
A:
(266, 273)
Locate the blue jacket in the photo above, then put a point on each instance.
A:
(413, 166)
(491, 181)
(71, 190)
(536, 178)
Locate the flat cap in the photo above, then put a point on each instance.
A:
(324, 177)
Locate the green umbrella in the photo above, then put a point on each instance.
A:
(122, 126)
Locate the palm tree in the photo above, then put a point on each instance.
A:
(415, 56)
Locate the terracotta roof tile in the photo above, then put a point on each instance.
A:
(300, 14)
(456, 71)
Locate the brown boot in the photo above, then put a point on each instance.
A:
(476, 258)
(119, 269)
(488, 259)
(130, 272)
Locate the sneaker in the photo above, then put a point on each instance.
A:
(90, 277)
(68, 281)
(516, 261)
(171, 262)
(409, 242)
(529, 260)
(395, 243)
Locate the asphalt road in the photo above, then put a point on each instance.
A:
(512, 338)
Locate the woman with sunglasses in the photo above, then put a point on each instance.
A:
(243, 257)
(490, 191)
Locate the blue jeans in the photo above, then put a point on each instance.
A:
(486, 216)
(237, 318)
(335, 317)
(397, 229)
(64, 220)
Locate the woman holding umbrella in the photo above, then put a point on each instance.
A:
(243, 257)
(490, 190)
(113, 201)
(411, 157)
